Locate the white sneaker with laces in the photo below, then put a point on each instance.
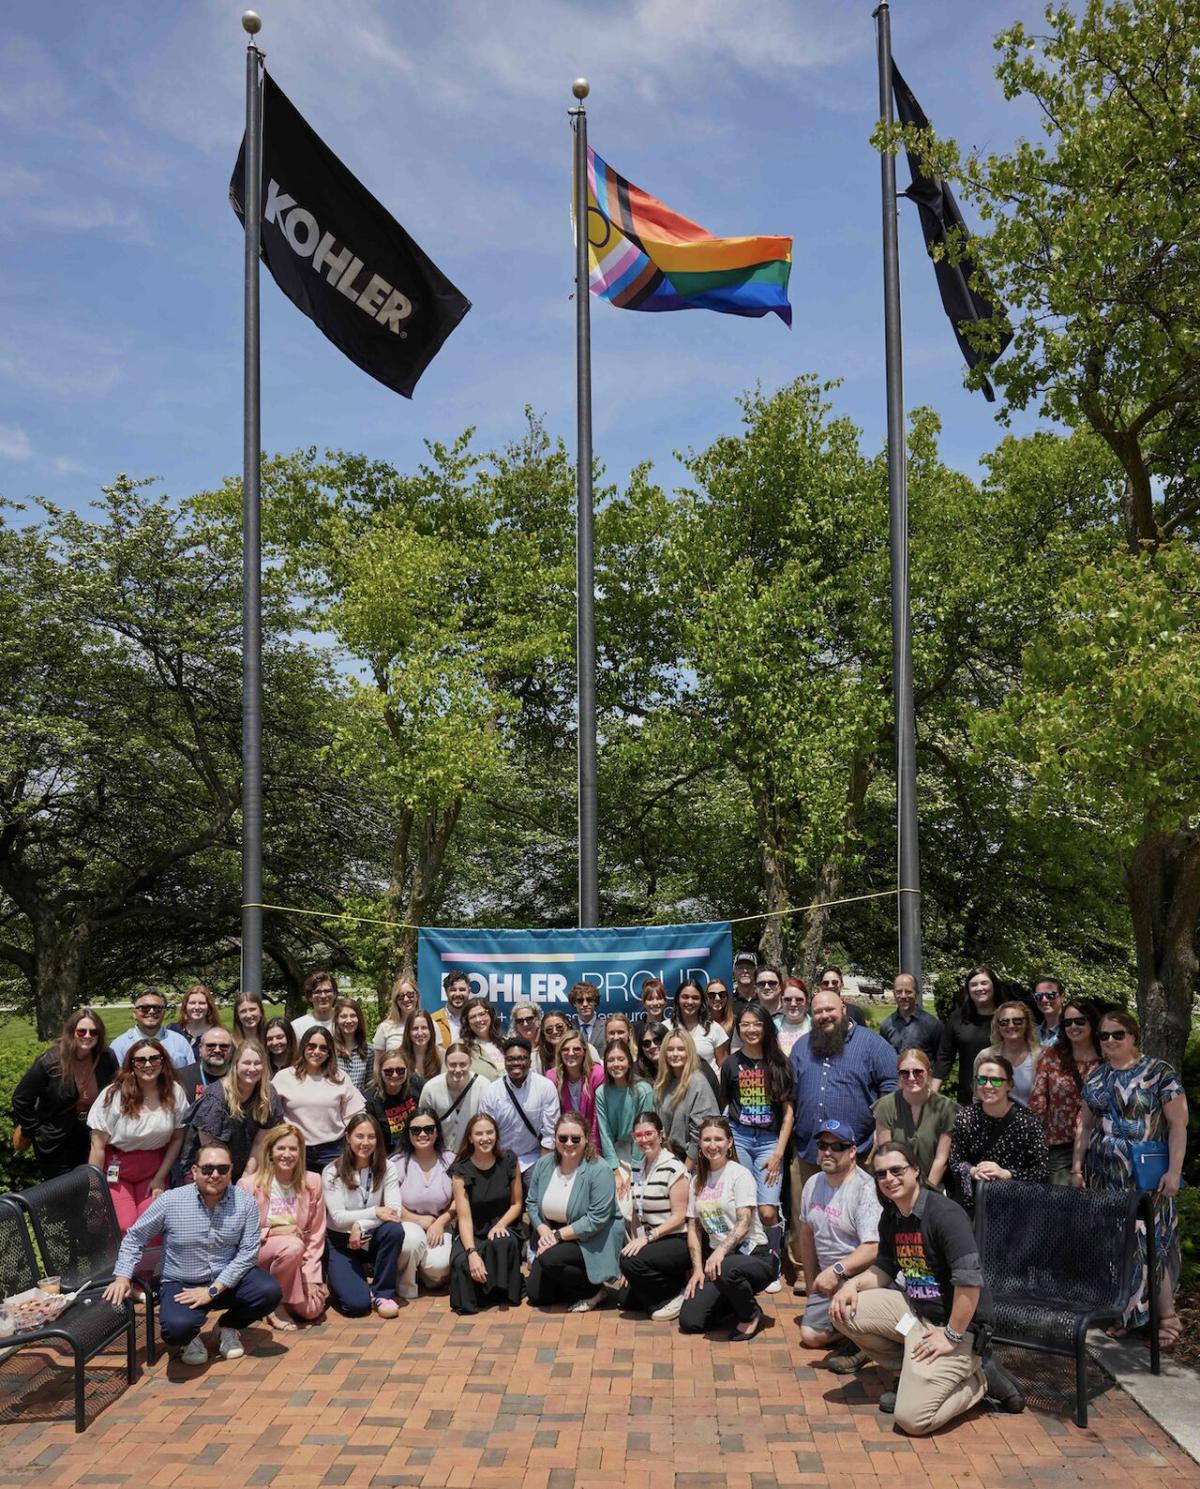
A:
(669, 1310)
(774, 1287)
(231, 1347)
(194, 1352)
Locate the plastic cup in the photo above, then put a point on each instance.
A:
(8, 1324)
(50, 1284)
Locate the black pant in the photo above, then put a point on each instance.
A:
(658, 1273)
(559, 1276)
(733, 1291)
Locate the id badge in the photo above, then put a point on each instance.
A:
(905, 1325)
(114, 1173)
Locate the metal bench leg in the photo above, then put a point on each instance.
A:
(1081, 1364)
(1152, 1283)
(131, 1364)
(80, 1418)
(151, 1342)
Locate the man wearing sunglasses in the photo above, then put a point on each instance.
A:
(149, 1011)
(930, 1331)
(1048, 1000)
(210, 1236)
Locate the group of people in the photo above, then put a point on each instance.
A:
(679, 1160)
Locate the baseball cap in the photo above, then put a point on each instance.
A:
(834, 1128)
(745, 956)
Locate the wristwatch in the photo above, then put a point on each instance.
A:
(838, 1270)
(214, 1290)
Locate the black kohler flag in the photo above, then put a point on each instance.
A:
(939, 217)
(341, 257)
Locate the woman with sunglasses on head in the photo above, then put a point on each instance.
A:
(137, 1129)
(249, 1018)
(485, 1257)
(52, 1099)
(731, 1261)
(317, 1098)
(235, 1112)
(553, 1029)
(455, 1096)
(364, 1228)
(198, 1012)
(421, 1047)
(1014, 1037)
(291, 1212)
(427, 1193)
(756, 1095)
(576, 1076)
(392, 1097)
(994, 1138)
(577, 1229)
(720, 1004)
(967, 1031)
(481, 1033)
(281, 1045)
(1130, 1100)
(916, 1114)
(1057, 1094)
(793, 1022)
(621, 1097)
(654, 1261)
(405, 1001)
(355, 1057)
(683, 1097)
(691, 1014)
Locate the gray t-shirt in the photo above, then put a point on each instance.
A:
(843, 1218)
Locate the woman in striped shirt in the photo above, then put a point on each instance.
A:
(654, 1262)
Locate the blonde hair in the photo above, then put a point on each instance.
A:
(260, 1108)
(1032, 1042)
(266, 1175)
(588, 1058)
(665, 1076)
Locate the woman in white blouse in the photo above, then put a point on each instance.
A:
(405, 1001)
(692, 1016)
(364, 1228)
(137, 1129)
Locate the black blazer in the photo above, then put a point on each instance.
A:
(44, 1102)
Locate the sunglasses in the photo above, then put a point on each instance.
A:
(147, 1059)
(991, 1080)
(1118, 1034)
(766, 982)
(651, 1043)
(571, 1138)
(422, 1131)
(1074, 1023)
(216, 1049)
(912, 1075)
(399, 1071)
(834, 1147)
(526, 1018)
(87, 1033)
(149, 1008)
(209, 1169)
(1046, 997)
(883, 1174)
(1011, 1023)
(831, 986)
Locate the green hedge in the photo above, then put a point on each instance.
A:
(17, 1170)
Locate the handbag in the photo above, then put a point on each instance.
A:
(1150, 1162)
(20, 1143)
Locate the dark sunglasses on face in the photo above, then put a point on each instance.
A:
(882, 1174)
(833, 1147)
(87, 1033)
(570, 1137)
(1011, 1023)
(526, 1018)
(1113, 1034)
(149, 1008)
(147, 1059)
(651, 1043)
(1074, 1023)
(912, 1075)
(991, 1080)
(209, 1169)
(766, 982)
(399, 1071)
(1045, 997)
(422, 1131)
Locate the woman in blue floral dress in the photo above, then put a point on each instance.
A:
(1133, 1098)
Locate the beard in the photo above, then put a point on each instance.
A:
(826, 1042)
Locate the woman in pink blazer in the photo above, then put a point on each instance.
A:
(291, 1210)
(577, 1074)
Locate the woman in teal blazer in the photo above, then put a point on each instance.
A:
(576, 1228)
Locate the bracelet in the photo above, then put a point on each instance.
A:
(952, 1334)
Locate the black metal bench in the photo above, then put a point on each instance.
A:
(88, 1326)
(1058, 1261)
(76, 1231)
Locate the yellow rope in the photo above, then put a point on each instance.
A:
(403, 925)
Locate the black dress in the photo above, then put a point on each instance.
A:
(1015, 1141)
(489, 1194)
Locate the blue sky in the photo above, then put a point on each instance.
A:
(120, 297)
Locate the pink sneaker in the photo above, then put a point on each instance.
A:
(387, 1307)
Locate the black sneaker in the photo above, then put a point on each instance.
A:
(1002, 1390)
(887, 1402)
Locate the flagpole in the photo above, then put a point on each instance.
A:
(908, 863)
(585, 620)
(252, 934)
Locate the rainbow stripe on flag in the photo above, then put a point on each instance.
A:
(644, 256)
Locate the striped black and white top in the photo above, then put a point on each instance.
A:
(651, 1193)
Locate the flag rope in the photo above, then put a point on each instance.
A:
(403, 925)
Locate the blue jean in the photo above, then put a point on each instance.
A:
(755, 1146)
(317, 1155)
(348, 1268)
(253, 1298)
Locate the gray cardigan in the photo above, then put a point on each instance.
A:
(591, 1213)
(682, 1118)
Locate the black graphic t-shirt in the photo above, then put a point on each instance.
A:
(932, 1251)
(393, 1113)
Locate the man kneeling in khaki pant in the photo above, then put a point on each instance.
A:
(924, 1327)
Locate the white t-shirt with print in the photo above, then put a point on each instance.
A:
(716, 1205)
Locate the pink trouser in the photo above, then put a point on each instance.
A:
(131, 1193)
(282, 1256)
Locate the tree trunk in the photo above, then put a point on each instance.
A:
(774, 864)
(293, 976)
(59, 953)
(1162, 882)
(831, 879)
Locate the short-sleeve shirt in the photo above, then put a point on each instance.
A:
(932, 1251)
(652, 1195)
(211, 1114)
(842, 1218)
(145, 1132)
(923, 1135)
(744, 1093)
(716, 1205)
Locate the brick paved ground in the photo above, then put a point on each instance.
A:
(550, 1402)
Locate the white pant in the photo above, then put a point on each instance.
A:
(435, 1264)
(409, 1260)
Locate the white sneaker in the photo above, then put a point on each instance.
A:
(669, 1310)
(774, 1287)
(194, 1352)
(230, 1346)
(585, 1305)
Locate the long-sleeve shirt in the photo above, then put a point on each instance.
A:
(845, 1087)
(177, 1047)
(1015, 1142)
(682, 1112)
(354, 1204)
(538, 1100)
(963, 1035)
(200, 1245)
(617, 1108)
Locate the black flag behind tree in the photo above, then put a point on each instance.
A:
(939, 218)
(342, 258)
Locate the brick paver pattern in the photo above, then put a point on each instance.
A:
(550, 1401)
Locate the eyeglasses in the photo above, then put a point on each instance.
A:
(832, 983)
(991, 1080)
(766, 982)
(422, 1131)
(147, 1060)
(571, 1138)
(209, 1169)
(1011, 1023)
(883, 1174)
(1118, 1034)
(149, 1008)
(833, 1147)
(1074, 1023)
(794, 997)
(912, 1075)
(87, 1033)
(526, 1018)
(216, 1049)
(399, 1071)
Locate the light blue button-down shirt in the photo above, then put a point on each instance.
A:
(200, 1245)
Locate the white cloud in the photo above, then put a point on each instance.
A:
(14, 443)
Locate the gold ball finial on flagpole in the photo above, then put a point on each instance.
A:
(251, 22)
(581, 88)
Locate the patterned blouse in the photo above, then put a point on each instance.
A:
(1056, 1098)
(1015, 1141)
